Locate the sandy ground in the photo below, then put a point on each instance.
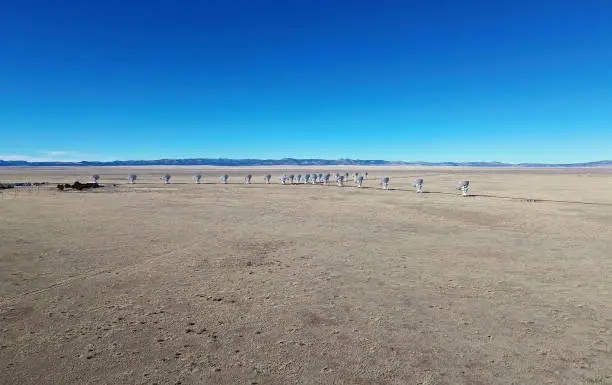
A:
(272, 284)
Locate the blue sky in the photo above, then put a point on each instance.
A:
(433, 80)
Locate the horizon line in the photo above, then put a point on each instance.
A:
(289, 162)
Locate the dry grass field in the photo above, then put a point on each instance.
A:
(270, 284)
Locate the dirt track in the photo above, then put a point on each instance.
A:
(271, 284)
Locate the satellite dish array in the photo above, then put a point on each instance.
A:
(314, 178)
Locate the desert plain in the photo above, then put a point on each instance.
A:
(307, 284)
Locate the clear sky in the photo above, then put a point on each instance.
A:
(507, 80)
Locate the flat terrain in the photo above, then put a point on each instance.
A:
(271, 284)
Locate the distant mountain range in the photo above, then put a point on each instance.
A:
(293, 162)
